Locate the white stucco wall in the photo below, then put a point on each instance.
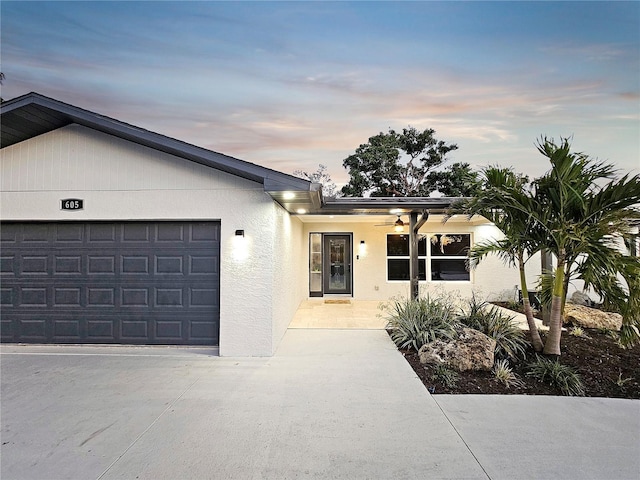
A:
(120, 180)
(289, 273)
(491, 278)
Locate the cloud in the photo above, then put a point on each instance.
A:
(591, 52)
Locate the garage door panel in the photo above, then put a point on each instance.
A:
(33, 328)
(63, 329)
(34, 264)
(134, 232)
(9, 233)
(6, 295)
(168, 265)
(100, 331)
(169, 232)
(34, 297)
(7, 265)
(168, 297)
(205, 232)
(101, 232)
(101, 297)
(67, 297)
(101, 264)
(67, 265)
(66, 233)
(203, 264)
(104, 283)
(35, 233)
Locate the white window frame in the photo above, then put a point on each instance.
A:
(430, 258)
(404, 257)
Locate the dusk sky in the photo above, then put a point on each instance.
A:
(290, 85)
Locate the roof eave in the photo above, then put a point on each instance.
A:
(60, 114)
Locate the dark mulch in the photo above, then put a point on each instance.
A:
(607, 370)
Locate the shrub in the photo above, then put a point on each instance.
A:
(505, 375)
(414, 323)
(509, 337)
(578, 332)
(445, 375)
(629, 336)
(556, 374)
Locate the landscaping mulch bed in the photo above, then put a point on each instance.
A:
(607, 370)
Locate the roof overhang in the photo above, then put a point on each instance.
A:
(33, 114)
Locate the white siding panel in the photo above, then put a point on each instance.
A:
(80, 159)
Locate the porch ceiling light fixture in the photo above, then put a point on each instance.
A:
(399, 225)
(301, 211)
(289, 195)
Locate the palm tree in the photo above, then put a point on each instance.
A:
(501, 199)
(582, 209)
(581, 213)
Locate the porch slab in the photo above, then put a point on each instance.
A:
(328, 313)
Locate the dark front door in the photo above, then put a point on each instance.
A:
(337, 264)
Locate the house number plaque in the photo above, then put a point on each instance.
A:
(72, 204)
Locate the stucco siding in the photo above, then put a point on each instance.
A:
(492, 279)
(289, 275)
(120, 180)
(246, 278)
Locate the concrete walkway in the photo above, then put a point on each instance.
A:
(329, 404)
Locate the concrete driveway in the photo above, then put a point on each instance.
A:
(329, 404)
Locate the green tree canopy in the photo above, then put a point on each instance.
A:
(405, 164)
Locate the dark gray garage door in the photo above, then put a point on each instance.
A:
(98, 282)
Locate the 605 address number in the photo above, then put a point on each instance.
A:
(72, 204)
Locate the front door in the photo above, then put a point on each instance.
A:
(337, 264)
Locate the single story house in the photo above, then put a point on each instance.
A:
(115, 234)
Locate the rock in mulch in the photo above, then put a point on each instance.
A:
(585, 317)
(472, 350)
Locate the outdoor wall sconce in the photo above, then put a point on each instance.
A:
(240, 246)
(362, 250)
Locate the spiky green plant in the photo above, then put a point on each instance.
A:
(556, 374)
(505, 374)
(509, 337)
(578, 332)
(445, 375)
(414, 323)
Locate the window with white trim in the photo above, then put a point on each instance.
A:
(446, 257)
(398, 257)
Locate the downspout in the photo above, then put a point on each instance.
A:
(414, 266)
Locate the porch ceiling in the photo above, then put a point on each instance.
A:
(389, 218)
(383, 210)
